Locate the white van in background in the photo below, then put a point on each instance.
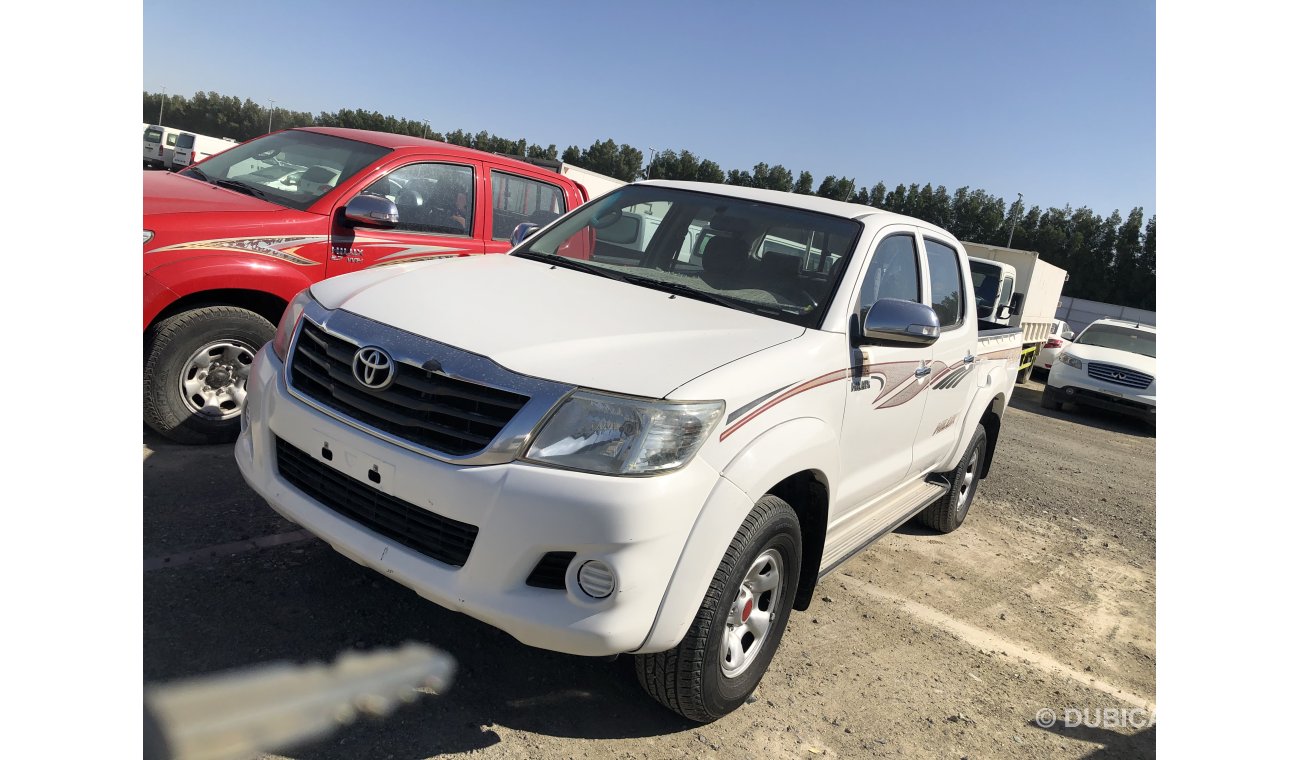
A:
(159, 145)
(192, 148)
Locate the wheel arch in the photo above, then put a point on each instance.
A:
(797, 459)
(269, 306)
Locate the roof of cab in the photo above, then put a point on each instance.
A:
(798, 200)
(395, 141)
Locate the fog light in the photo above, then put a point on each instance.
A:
(1069, 391)
(596, 579)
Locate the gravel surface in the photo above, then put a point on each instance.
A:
(924, 645)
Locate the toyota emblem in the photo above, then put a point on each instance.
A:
(373, 368)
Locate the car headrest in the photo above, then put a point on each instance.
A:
(778, 266)
(724, 255)
(319, 174)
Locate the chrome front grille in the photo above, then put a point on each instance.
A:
(1113, 373)
(422, 405)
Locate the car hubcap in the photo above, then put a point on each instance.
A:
(214, 379)
(969, 476)
(752, 613)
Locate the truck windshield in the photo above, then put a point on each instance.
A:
(291, 168)
(985, 278)
(764, 258)
(1120, 338)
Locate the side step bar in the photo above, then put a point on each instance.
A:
(885, 520)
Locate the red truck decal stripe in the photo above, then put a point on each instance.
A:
(283, 248)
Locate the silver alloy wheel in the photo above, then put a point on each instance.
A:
(750, 618)
(214, 379)
(969, 477)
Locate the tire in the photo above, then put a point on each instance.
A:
(1050, 400)
(180, 354)
(696, 679)
(948, 513)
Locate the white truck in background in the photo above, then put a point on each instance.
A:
(596, 184)
(192, 148)
(159, 146)
(656, 450)
(1015, 288)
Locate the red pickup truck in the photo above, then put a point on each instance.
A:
(229, 241)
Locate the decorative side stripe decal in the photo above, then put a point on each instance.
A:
(816, 382)
(283, 248)
(895, 390)
(753, 403)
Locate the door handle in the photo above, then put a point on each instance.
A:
(923, 371)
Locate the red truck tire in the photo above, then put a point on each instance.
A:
(196, 368)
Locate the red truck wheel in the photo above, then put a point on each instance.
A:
(196, 371)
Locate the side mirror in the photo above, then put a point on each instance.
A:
(371, 211)
(1004, 311)
(1067, 335)
(1017, 302)
(522, 232)
(895, 322)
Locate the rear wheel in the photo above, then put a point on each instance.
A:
(196, 372)
(948, 513)
(739, 625)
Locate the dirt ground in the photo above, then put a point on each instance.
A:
(925, 645)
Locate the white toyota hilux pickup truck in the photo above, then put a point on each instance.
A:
(605, 443)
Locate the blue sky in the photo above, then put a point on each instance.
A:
(1053, 100)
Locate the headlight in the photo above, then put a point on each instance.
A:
(1069, 361)
(623, 436)
(288, 321)
(148, 235)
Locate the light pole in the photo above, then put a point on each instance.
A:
(161, 103)
(653, 154)
(270, 118)
(426, 129)
(1014, 216)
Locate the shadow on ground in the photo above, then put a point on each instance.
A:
(304, 603)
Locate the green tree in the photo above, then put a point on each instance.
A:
(805, 184)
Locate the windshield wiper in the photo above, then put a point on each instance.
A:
(196, 172)
(564, 261)
(239, 187)
(699, 295)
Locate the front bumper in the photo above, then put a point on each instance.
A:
(637, 526)
(1065, 383)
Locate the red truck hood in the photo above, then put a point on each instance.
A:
(167, 193)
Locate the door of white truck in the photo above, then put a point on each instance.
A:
(882, 412)
(951, 382)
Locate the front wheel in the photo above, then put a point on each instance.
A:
(738, 627)
(196, 372)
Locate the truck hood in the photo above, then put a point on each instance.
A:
(168, 193)
(555, 323)
(1128, 359)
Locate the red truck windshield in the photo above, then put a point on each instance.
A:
(291, 168)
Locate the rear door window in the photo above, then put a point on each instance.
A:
(517, 199)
